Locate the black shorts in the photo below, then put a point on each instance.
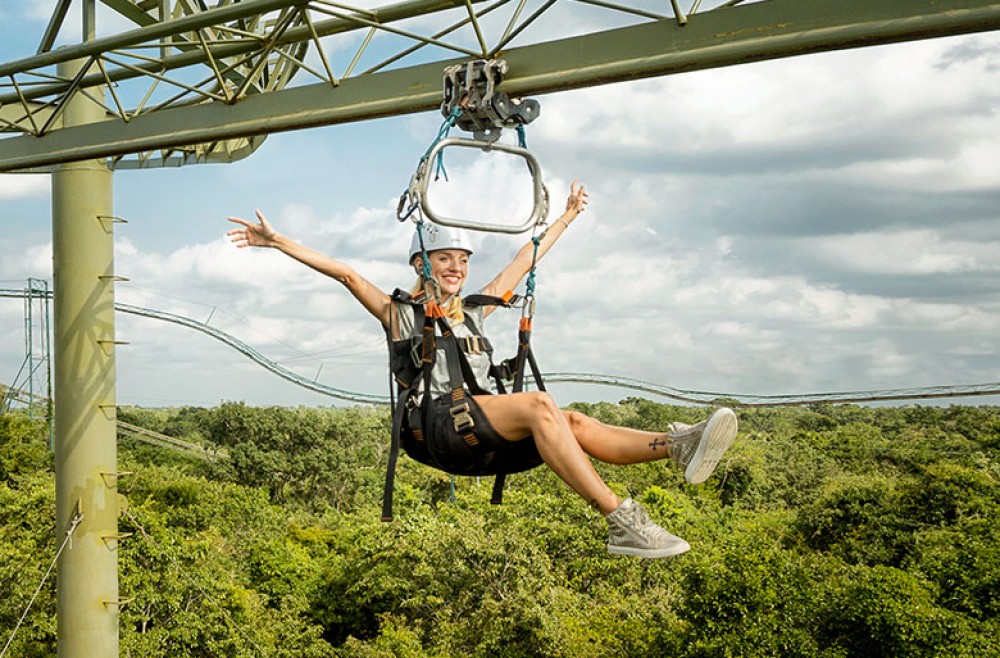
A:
(479, 451)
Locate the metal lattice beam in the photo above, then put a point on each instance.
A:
(222, 78)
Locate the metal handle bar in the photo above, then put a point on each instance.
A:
(421, 180)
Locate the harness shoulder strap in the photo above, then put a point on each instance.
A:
(405, 370)
(406, 354)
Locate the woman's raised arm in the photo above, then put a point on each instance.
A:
(261, 234)
(511, 275)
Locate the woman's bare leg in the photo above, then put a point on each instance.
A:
(516, 415)
(617, 445)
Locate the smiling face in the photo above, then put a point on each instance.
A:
(449, 267)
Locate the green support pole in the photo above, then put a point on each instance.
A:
(85, 430)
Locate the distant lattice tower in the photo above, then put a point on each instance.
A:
(32, 385)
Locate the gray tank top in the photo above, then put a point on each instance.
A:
(479, 363)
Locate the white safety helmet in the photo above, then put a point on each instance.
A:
(437, 237)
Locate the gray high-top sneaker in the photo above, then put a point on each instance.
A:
(697, 449)
(630, 532)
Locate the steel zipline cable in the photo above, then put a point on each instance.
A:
(73, 523)
(677, 394)
(253, 355)
(747, 400)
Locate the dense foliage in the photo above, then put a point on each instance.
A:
(827, 531)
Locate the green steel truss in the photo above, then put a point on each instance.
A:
(197, 81)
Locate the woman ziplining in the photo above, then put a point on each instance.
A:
(469, 430)
(446, 415)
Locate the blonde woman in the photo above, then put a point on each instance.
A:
(517, 430)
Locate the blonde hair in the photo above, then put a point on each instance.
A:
(453, 308)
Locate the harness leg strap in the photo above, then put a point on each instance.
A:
(498, 482)
(390, 470)
(535, 371)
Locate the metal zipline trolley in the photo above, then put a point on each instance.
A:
(473, 102)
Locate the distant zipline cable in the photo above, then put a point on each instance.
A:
(240, 347)
(253, 354)
(74, 522)
(128, 429)
(681, 395)
(169, 442)
(745, 400)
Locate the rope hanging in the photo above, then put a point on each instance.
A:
(74, 522)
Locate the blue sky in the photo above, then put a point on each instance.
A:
(821, 223)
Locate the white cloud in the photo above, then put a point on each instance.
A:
(26, 261)
(812, 224)
(903, 253)
(869, 110)
(18, 186)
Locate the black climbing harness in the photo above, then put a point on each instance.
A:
(412, 360)
(473, 103)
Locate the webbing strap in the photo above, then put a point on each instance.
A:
(460, 373)
(507, 300)
(498, 482)
(390, 470)
(523, 349)
(524, 354)
(535, 372)
(455, 373)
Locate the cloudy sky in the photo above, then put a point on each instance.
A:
(815, 224)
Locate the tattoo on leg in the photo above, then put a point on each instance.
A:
(656, 443)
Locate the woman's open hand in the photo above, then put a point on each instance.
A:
(253, 235)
